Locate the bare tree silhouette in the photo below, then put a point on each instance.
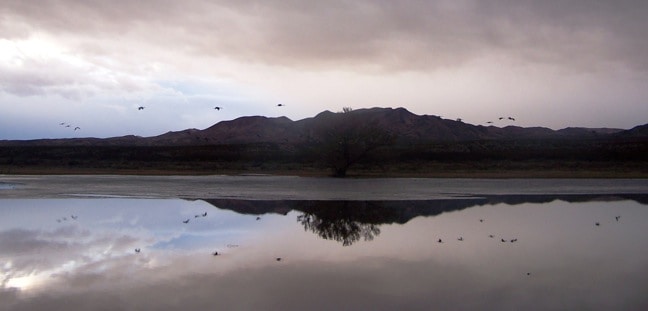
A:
(348, 139)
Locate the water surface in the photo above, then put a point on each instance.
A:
(569, 252)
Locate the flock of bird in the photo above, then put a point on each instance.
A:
(72, 217)
(461, 239)
(615, 218)
(513, 240)
(502, 119)
(66, 125)
(215, 253)
(76, 128)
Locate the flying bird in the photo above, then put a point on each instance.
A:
(186, 221)
(77, 128)
(218, 108)
(503, 240)
(501, 118)
(204, 214)
(137, 250)
(140, 108)
(440, 241)
(617, 218)
(215, 254)
(460, 238)
(511, 118)
(62, 123)
(74, 217)
(280, 105)
(278, 259)
(597, 223)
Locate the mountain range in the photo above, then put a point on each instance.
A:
(405, 127)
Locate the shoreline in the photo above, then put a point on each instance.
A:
(423, 172)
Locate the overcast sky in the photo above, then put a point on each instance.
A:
(92, 63)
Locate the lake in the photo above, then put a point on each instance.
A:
(290, 243)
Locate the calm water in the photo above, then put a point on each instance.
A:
(80, 253)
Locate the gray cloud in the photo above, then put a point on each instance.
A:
(410, 35)
(35, 251)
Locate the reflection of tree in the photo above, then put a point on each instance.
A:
(343, 229)
(349, 221)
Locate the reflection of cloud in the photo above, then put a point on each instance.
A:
(371, 284)
(36, 253)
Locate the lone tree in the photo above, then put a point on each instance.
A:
(348, 138)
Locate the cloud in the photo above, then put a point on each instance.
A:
(462, 59)
(385, 35)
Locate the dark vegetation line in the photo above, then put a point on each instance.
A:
(475, 155)
(373, 141)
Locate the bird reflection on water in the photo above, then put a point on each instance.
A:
(387, 246)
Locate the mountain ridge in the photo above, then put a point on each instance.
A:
(405, 126)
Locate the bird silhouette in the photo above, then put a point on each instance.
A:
(62, 123)
(511, 118)
(460, 238)
(186, 221)
(617, 218)
(215, 254)
(258, 218)
(67, 125)
(218, 108)
(501, 118)
(489, 122)
(140, 108)
(503, 240)
(481, 220)
(137, 250)
(440, 241)
(204, 214)
(491, 236)
(280, 105)
(278, 258)
(74, 217)
(597, 223)
(77, 128)
(513, 240)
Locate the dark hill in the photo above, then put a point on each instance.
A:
(405, 126)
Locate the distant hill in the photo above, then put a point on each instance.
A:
(405, 126)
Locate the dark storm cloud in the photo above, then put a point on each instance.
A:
(404, 35)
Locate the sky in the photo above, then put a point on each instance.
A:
(91, 63)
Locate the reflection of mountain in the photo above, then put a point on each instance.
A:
(350, 221)
(401, 211)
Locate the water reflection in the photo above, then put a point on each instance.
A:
(561, 260)
(350, 221)
(343, 229)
